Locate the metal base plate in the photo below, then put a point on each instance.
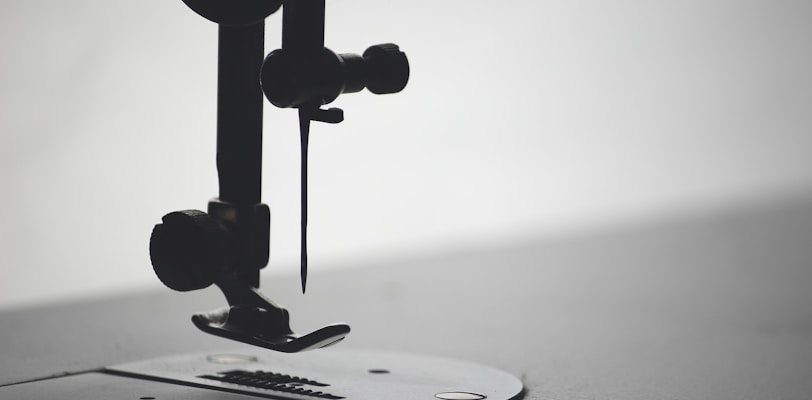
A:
(330, 374)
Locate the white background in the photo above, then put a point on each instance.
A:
(522, 119)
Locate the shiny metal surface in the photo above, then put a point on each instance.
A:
(330, 374)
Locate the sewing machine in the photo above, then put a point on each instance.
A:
(228, 244)
(703, 306)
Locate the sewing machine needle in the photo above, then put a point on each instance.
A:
(304, 130)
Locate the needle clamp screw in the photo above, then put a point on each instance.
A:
(293, 81)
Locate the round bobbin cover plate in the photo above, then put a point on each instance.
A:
(330, 374)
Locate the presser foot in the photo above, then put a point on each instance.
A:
(256, 326)
(254, 319)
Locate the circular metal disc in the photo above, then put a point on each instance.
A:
(331, 374)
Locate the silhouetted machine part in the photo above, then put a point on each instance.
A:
(229, 244)
(289, 80)
(234, 13)
(306, 75)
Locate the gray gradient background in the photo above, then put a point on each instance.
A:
(521, 119)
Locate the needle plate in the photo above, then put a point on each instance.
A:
(331, 374)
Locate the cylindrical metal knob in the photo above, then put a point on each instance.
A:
(387, 68)
(188, 250)
(290, 80)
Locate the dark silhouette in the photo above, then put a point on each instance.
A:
(229, 245)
